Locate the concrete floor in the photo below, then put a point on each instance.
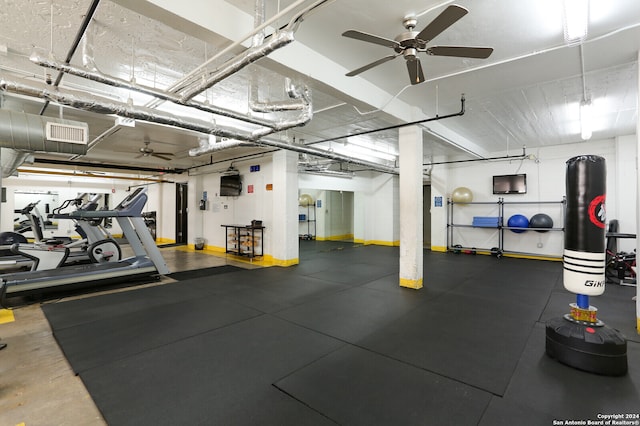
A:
(37, 385)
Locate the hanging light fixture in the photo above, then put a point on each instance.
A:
(586, 118)
(575, 20)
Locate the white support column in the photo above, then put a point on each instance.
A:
(638, 208)
(411, 235)
(284, 229)
(1, 227)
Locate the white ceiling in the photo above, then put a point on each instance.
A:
(526, 94)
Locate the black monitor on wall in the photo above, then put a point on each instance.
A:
(230, 185)
(510, 184)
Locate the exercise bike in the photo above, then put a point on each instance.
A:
(620, 265)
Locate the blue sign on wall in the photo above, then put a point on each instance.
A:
(437, 201)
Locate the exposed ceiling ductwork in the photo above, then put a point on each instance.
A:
(236, 138)
(11, 159)
(35, 133)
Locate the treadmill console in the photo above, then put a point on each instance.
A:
(130, 199)
(134, 203)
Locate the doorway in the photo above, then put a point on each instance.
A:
(181, 213)
(426, 216)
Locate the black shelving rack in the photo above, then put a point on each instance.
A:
(500, 227)
(310, 221)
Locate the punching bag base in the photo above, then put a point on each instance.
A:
(596, 349)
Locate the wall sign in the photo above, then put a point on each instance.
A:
(437, 201)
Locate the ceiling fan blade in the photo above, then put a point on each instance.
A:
(161, 156)
(370, 38)
(448, 17)
(415, 71)
(371, 65)
(461, 51)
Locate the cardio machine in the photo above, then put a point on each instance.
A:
(96, 245)
(146, 262)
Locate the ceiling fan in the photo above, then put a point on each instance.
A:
(145, 151)
(410, 43)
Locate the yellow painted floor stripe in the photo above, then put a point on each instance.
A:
(6, 316)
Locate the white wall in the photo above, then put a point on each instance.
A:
(223, 210)
(625, 182)
(545, 182)
(67, 187)
(375, 204)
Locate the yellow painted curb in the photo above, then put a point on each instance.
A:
(6, 315)
(415, 284)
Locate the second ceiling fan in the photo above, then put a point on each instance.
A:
(410, 43)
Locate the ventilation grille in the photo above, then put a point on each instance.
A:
(57, 132)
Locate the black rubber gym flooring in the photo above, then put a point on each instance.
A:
(335, 340)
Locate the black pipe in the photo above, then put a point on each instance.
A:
(397, 126)
(506, 157)
(107, 166)
(74, 46)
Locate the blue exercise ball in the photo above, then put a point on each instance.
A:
(518, 221)
(541, 220)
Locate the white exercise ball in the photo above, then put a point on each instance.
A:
(462, 195)
(305, 200)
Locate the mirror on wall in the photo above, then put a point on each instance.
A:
(37, 204)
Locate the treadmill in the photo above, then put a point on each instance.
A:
(146, 262)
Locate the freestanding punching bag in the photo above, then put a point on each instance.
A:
(579, 339)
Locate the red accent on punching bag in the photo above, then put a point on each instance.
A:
(586, 193)
(597, 210)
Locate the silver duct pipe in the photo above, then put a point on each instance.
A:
(293, 104)
(88, 60)
(257, 135)
(258, 20)
(212, 144)
(104, 106)
(28, 132)
(296, 102)
(11, 159)
(195, 75)
(328, 154)
(97, 76)
(278, 40)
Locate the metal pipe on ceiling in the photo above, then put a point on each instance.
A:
(103, 106)
(89, 175)
(74, 45)
(277, 40)
(280, 39)
(397, 126)
(295, 103)
(11, 159)
(99, 105)
(99, 77)
(89, 165)
(194, 75)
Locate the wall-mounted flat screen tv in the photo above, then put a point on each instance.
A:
(230, 185)
(510, 184)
